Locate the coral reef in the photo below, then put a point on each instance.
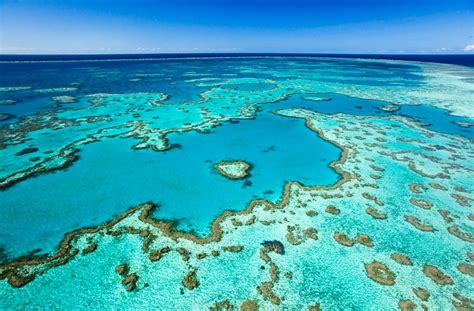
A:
(396, 225)
(233, 169)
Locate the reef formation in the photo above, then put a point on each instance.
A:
(233, 169)
(394, 230)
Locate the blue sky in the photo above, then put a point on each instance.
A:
(319, 26)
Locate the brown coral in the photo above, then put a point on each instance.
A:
(438, 276)
(380, 273)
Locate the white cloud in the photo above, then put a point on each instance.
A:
(441, 50)
(469, 48)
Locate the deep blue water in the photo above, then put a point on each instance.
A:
(461, 59)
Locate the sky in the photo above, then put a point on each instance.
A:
(204, 26)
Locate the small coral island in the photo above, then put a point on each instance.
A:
(233, 169)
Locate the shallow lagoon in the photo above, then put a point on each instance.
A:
(435, 119)
(110, 177)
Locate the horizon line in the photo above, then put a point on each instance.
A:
(234, 53)
(466, 59)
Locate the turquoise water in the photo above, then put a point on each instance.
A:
(438, 120)
(433, 118)
(110, 177)
(151, 131)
